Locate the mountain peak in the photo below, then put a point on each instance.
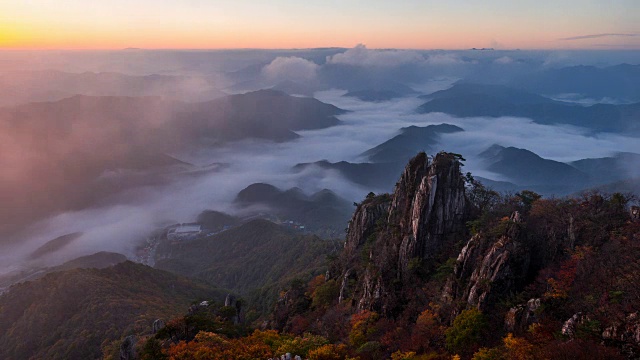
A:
(427, 207)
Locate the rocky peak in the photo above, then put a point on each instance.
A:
(423, 215)
(436, 210)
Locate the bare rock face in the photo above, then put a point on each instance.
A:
(158, 324)
(485, 270)
(626, 331)
(232, 301)
(388, 237)
(128, 348)
(518, 319)
(366, 218)
(570, 327)
(436, 209)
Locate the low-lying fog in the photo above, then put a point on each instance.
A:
(121, 224)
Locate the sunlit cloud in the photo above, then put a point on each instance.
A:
(596, 36)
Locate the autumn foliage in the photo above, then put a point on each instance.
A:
(586, 259)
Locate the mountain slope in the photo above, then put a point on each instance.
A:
(376, 176)
(620, 166)
(51, 85)
(249, 257)
(75, 141)
(526, 168)
(410, 141)
(76, 314)
(473, 100)
(613, 82)
(321, 212)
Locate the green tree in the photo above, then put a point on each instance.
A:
(464, 336)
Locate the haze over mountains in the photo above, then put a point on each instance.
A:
(88, 147)
(121, 144)
(240, 169)
(472, 100)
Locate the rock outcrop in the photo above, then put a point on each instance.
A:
(390, 236)
(128, 348)
(625, 333)
(158, 324)
(570, 327)
(365, 220)
(233, 302)
(487, 269)
(519, 318)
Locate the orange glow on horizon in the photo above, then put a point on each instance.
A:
(279, 24)
(47, 37)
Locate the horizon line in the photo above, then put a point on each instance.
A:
(599, 48)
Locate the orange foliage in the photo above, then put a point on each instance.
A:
(328, 352)
(314, 283)
(361, 327)
(518, 348)
(427, 331)
(561, 285)
(212, 346)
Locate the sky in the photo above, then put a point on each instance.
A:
(224, 24)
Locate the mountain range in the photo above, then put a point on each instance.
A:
(476, 100)
(611, 82)
(73, 142)
(52, 85)
(323, 212)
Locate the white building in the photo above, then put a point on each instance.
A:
(184, 232)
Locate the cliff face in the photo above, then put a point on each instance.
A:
(389, 237)
(364, 222)
(486, 270)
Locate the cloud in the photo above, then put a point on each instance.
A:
(123, 223)
(504, 60)
(360, 55)
(290, 68)
(596, 36)
(444, 59)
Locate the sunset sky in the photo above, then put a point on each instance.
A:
(418, 24)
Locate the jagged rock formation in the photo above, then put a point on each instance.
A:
(390, 236)
(158, 324)
(128, 348)
(625, 332)
(570, 327)
(365, 219)
(518, 318)
(485, 270)
(233, 302)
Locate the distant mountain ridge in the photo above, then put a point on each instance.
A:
(475, 100)
(388, 158)
(370, 175)
(410, 141)
(74, 141)
(321, 211)
(614, 82)
(52, 85)
(526, 170)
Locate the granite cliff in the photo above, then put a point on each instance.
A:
(391, 237)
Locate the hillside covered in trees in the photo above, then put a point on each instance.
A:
(86, 313)
(445, 267)
(441, 268)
